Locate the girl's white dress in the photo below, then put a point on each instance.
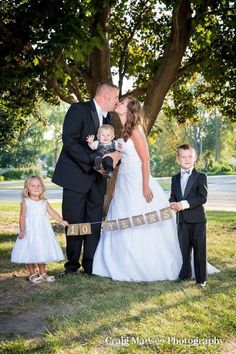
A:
(141, 253)
(39, 244)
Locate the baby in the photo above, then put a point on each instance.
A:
(104, 145)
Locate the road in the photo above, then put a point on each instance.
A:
(221, 196)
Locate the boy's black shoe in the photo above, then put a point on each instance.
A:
(107, 175)
(97, 162)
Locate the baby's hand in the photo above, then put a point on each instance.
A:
(90, 139)
(65, 223)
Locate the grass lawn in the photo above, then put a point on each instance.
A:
(81, 314)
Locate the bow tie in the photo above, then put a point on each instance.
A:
(184, 172)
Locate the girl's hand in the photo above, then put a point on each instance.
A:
(147, 192)
(65, 223)
(21, 235)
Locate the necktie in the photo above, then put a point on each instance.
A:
(186, 172)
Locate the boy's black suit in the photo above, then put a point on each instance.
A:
(83, 188)
(192, 223)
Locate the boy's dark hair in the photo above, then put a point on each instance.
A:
(185, 147)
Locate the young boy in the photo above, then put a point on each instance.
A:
(188, 194)
(104, 145)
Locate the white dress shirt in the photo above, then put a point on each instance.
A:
(100, 113)
(183, 182)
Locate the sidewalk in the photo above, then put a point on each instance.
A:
(221, 191)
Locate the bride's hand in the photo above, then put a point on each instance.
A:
(147, 192)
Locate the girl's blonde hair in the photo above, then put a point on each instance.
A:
(25, 192)
(134, 117)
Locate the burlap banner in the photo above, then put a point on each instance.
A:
(121, 224)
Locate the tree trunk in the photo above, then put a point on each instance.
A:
(167, 71)
(99, 67)
(217, 136)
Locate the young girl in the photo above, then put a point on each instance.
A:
(36, 243)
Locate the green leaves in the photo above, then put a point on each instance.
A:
(54, 49)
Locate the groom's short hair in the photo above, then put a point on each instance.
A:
(105, 84)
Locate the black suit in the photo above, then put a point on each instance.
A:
(192, 223)
(83, 188)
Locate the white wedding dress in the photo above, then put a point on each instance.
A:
(140, 253)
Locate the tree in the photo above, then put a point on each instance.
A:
(26, 151)
(61, 49)
(53, 137)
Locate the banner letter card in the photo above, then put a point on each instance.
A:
(152, 217)
(138, 220)
(166, 214)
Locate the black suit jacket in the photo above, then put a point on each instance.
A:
(196, 195)
(74, 169)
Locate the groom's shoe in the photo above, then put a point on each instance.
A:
(202, 285)
(178, 280)
(66, 272)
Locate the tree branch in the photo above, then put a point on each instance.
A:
(123, 55)
(53, 83)
(136, 92)
(74, 82)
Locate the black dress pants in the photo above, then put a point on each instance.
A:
(82, 208)
(192, 237)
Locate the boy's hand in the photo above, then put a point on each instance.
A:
(90, 139)
(176, 206)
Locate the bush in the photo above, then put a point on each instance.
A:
(219, 168)
(1, 178)
(19, 173)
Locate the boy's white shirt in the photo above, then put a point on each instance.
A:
(184, 203)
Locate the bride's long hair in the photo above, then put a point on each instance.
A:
(134, 117)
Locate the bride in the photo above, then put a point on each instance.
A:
(145, 252)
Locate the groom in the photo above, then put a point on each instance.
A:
(83, 188)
